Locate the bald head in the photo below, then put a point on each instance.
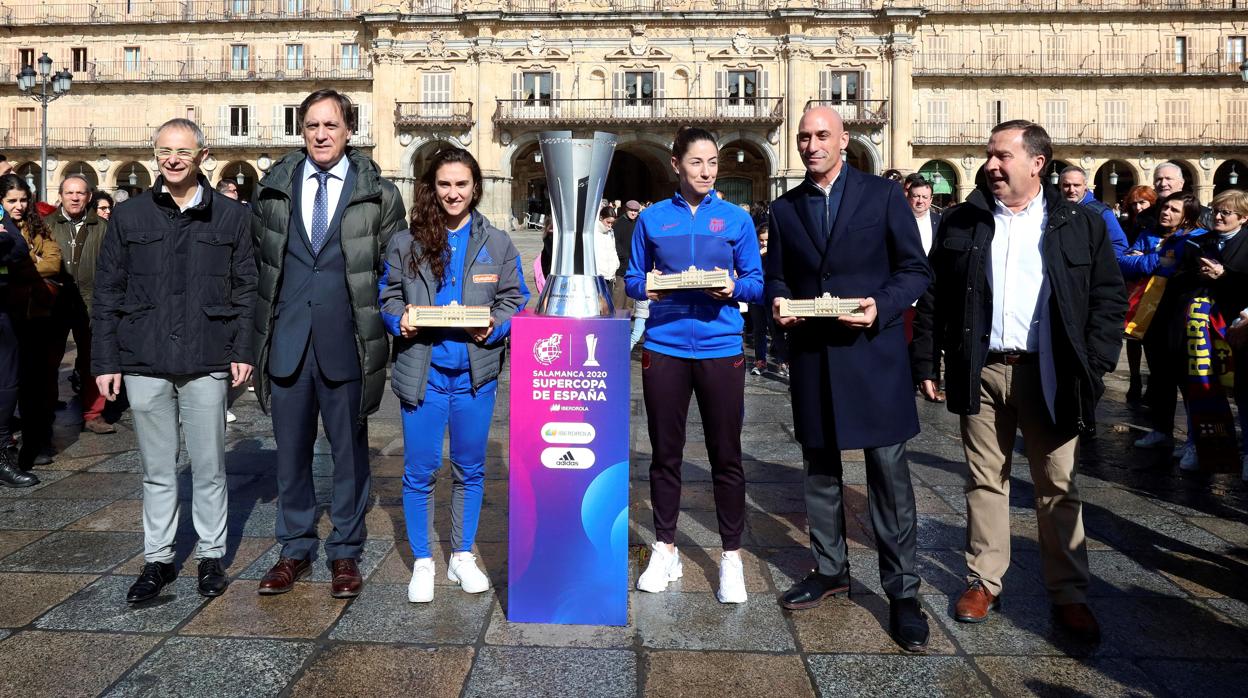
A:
(1167, 179)
(821, 137)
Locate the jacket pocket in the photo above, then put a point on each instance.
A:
(146, 251)
(212, 253)
(217, 339)
(955, 244)
(133, 335)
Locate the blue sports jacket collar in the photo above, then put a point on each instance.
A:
(680, 200)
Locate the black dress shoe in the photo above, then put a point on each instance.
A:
(812, 590)
(212, 579)
(12, 476)
(907, 623)
(152, 579)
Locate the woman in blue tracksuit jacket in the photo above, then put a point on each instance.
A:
(448, 377)
(693, 347)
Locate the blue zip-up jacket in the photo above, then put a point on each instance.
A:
(668, 237)
(1117, 237)
(1153, 250)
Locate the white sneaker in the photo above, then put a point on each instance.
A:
(463, 570)
(420, 589)
(664, 567)
(1154, 439)
(1189, 460)
(229, 417)
(731, 578)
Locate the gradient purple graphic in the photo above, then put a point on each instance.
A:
(568, 527)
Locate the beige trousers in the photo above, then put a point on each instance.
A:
(1012, 400)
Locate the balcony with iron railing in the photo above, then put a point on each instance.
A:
(865, 112)
(658, 111)
(1128, 134)
(1079, 6)
(1039, 64)
(221, 70)
(452, 115)
(92, 137)
(27, 12)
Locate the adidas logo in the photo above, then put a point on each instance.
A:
(567, 460)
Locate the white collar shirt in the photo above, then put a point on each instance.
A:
(333, 187)
(925, 230)
(1018, 279)
(193, 201)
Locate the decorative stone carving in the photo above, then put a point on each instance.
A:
(845, 41)
(1146, 162)
(794, 51)
(1207, 162)
(536, 44)
(437, 47)
(385, 55)
(741, 42)
(900, 51)
(102, 164)
(485, 54)
(968, 163)
(1087, 162)
(638, 43)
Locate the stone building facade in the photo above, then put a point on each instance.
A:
(1121, 84)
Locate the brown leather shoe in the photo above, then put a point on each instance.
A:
(347, 580)
(281, 577)
(975, 603)
(1077, 619)
(99, 426)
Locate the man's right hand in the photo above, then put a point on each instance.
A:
(785, 321)
(109, 385)
(407, 331)
(929, 389)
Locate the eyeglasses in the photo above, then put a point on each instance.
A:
(1225, 213)
(180, 153)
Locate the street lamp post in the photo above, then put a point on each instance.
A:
(60, 83)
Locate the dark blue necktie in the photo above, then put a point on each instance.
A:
(320, 212)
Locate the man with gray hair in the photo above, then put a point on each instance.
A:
(79, 231)
(1074, 187)
(174, 293)
(1168, 179)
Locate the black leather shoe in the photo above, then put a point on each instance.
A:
(812, 590)
(907, 623)
(212, 579)
(12, 476)
(152, 579)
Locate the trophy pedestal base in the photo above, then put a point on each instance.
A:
(576, 296)
(568, 487)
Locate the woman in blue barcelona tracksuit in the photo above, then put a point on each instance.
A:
(448, 377)
(693, 347)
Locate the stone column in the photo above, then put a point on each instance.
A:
(900, 107)
(496, 201)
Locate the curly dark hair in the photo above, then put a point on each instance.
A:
(428, 221)
(32, 222)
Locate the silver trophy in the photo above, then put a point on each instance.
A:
(576, 171)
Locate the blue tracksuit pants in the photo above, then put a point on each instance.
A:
(449, 401)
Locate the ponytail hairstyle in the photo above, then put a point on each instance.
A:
(687, 136)
(32, 223)
(428, 221)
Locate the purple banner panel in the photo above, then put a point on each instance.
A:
(568, 532)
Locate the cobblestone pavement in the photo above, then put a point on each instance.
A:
(1169, 557)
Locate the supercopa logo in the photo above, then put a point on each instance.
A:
(545, 351)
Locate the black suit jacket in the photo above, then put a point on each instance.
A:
(851, 388)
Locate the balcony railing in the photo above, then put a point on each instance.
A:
(1134, 134)
(26, 12)
(433, 114)
(221, 71)
(659, 111)
(867, 112)
(1051, 6)
(90, 137)
(1092, 64)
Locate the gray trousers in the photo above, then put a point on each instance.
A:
(160, 404)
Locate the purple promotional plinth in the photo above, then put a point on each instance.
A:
(568, 526)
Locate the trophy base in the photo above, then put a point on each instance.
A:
(577, 295)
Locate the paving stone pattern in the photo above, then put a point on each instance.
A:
(1169, 557)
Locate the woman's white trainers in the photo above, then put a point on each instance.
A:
(731, 578)
(463, 570)
(420, 589)
(664, 567)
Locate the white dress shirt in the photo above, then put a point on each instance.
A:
(195, 199)
(333, 187)
(925, 230)
(1019, 286)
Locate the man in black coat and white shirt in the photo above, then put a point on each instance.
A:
(1028, 305)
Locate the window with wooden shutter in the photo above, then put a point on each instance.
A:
(1114, 120)
(1237, 115)
(1176, 119)
(1055, 119)
(1055, 52)
(938, 118)
(240, 121)
(994, 113)
(435, 94)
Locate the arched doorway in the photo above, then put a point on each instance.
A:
(80, 168)
(133, 178)
(424, 155)
(742, 173)
(1112, 181)
(641, 173)
(860, 157)
(30, 172)
(243, 175)
(1232, 174)
(944, 179)
(529, 197)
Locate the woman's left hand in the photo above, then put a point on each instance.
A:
(725, 293)
(480, 334)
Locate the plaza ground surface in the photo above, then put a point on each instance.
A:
(1169, 559)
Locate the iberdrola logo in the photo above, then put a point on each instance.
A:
(545, 351)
